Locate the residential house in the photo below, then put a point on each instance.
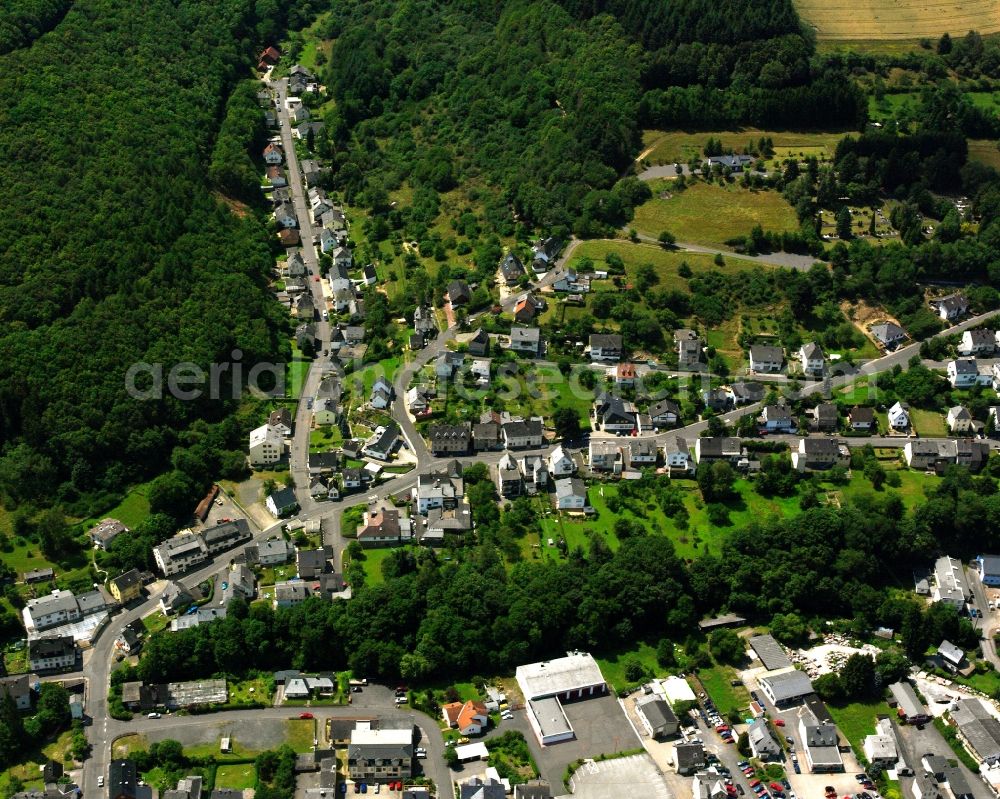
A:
(534, 472)
(959, 419)
(126, 587)
(526, 341)
(276, 177)
(527, 308)
(862, 419)
(734, 163)
(269, 57)
(311, 170)
(273, 154)
(448, 363)
(561, 464)
(267, 446)
(380, 755)
(479, 343)
(640, 452)
(613, 414)
(382, 442)
(305, 337)
(656, 717)
(35, 576)
(717, 449)
(174, 598)
(624, 375)
(282, 502)
(509, 481)
(469, 718)
(352, 479)
(571, 494)
(815, 454)
(785, 687)
(486, 436)
(480, 370)
(988, 567)
(105, 532)
(304, 307)
(289, 237)
(665, 413)
(311, 563)
(762, 743)
(342, 258)
(459, 293)
(511, 268)
(821, 745)
(777, 419)
(566, 279)
(880, 748)
(950, 584)
(450, 439)
(353, 335)
(415, 342)
(382, 394)
(180, 553)
(952, 307)
(888, 334)
(604, 455)
(52, 652)
(321, 489)
(328, 240)
(369, 277)
(676, 455)
(326, 411)
(302, 130)
(746, 393)
(826, 417)
(813, 359)
(274, 552)
(52, 610)
(522, 434)
(605, 347)
(766, 359)
(977, 343)
(689, 756)
(123, 780)
(18, 688)
(281, 420)
(284, 214)
(689, 349)
(963, 372)
(423, 321)
(899, 416)
(717, 399)
(295, 266)
(418, 400)
(437, 490)
(384, 527)
(343, 292)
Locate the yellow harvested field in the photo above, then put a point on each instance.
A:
(898, 19)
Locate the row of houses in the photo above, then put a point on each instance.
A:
(189, 549)
(460, 439)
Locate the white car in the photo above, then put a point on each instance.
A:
(153, 716)
(100, 781)
(401, 700)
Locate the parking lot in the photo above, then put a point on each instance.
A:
(635, 777)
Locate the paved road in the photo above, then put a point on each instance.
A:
(299, 452)
(790, 260)
(991, 618)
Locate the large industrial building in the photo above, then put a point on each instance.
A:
(548, 685)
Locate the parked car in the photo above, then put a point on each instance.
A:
(100, 781)
(306, 716)
(401, 700)
(153, 715)
(779, 722)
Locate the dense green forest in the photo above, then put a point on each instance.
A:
(545, 100)
(23, 21)
(114, 249)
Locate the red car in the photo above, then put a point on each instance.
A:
(779, 722)
(306, 716)
(776, 786)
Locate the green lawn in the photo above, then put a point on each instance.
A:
(857, 719)
(131, 511)
(325, 437)
(301, 733)
(928, 424)
(255, 690)
(29, 769)
(237, 776)
(613, 665)
(988, 683)
(679, 146)
(295, 373)
(276, 574)
(709, 214)
(372, 564)
(717, 681)
(984, 151)
(155, 622)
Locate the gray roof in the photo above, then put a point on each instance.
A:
(51, 646)
(770, 652)
(570, 487)
(605, 341)
(762, 352)
(789, 684)
(529, 427)
(906, 699)
(761, 739)
(525, 336)
(657, 712)
(888, 332)
(965, 366)
(812, 351)
(689, 753)
(664, 406)
(950, 652)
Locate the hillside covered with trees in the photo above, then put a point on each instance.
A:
(114, 248)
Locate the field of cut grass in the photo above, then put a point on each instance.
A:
(928, 423)
(678, 146)
(301, 733)
(857, 719)
(295, 373)
(131, 511)
(884, 20)
(709, 214)
(985, 152)
(717, 681)
(613, 665)
(237, 776)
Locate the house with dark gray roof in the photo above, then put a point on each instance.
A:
(459, 293)
(888, 334)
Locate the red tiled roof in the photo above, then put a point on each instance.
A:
(626, 371)
(469, 712)
(451, 712)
